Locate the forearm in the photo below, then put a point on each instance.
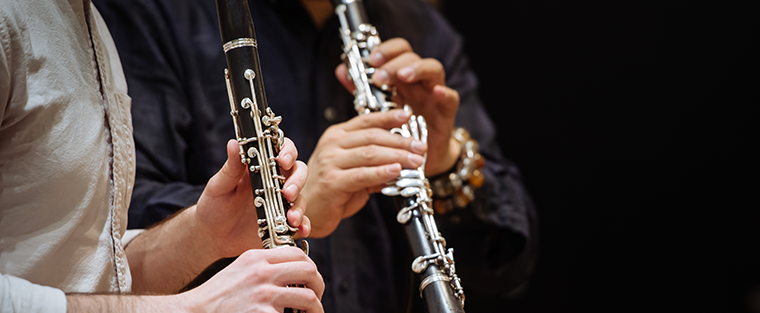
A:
(124, 303)
(164, 258)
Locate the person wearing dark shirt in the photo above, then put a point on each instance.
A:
(172, 56)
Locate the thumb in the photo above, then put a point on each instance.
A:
(341, 72)
(228, 177)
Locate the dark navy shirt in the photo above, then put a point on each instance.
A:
(174, 63)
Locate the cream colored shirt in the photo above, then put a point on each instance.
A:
(66, 151)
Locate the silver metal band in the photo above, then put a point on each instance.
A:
(240, 42)
(431, 279)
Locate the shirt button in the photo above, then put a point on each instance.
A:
(331, 114)
(343, 286)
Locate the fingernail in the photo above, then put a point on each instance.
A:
(406, 73)
(376, 58)
(292, 189)
(287, 159)
(418, 146)
(298, 219)
(402, 115)
(393, 168)
(380, 77)
(415, 158)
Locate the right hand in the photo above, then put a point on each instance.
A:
(257, 282)
(353, 160)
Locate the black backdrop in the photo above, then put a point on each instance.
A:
(628, 122)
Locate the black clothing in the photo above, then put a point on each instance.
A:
(173, 60)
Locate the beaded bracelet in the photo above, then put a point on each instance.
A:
(456, 189)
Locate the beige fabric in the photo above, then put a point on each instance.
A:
(66, 149)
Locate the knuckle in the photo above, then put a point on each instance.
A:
(312, 298)
(360, 176)
(311, 268)
(369, 152)
(403, 43)
(247, 256)
(328, 176)
(267, 293)
(372, 135)
(435, 64)
(333, 132)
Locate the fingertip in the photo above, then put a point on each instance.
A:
(294, 217)
(381, 77)
(406, 74)
(233, 163)
(443, 93)
(393, 169)
(304, 230)
(376, 58)
(231, 147)
(286, 161)
(292, 149)
(402, 115)
(419, 146)
(290, 192)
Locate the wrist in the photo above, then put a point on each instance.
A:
(449, 159)
(455, 189)
(198, 238)
(187, 301)
(164, 258)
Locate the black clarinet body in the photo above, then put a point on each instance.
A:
(256, 126)
(440, 287)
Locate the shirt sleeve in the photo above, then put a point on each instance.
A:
(19, 295)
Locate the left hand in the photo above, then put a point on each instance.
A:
(420, 83)
(225, 211)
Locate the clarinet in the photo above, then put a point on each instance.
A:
(256, 126)
(440, 286)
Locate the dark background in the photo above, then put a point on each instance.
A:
(632, 125)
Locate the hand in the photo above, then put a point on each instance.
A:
(225, 211)
(352, 160)
(420, 83)
(257, 282)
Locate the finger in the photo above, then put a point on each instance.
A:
(341, 72)
(273, 256)
(288, 154)
(387, 74)
(296, 179)
(297, 212)
(380, 137)
(428, 71)
(228, 177)
(384, 120)
(374, 155)
(388, 50)
(304, 230)
(303, 273)
(356, 179)
(447, 100)
(303, 299)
